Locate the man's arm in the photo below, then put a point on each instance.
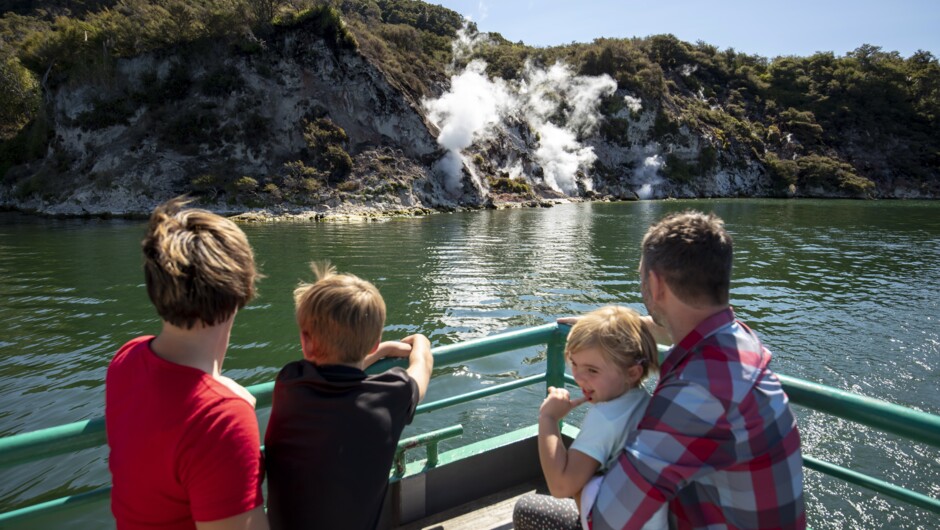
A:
(420, 361)
(252, 520)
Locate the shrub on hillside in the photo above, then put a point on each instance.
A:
(339, 162)
(19, 96)
(784, 173)
(325, 20)
(831, 174)
(509, 185)
(322, 132)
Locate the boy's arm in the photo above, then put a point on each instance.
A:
(420, 361)
(566, 472)
(389, 348)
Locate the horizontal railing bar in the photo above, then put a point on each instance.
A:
(477, 394)
(492, 344)
(61, 439)
(55, 506)
(882, 415)
(481, 347)
(860, 479)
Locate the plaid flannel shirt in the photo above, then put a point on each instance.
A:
(718, 441)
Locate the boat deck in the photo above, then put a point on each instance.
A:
(493, 512)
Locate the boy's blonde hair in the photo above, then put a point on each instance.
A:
(619, 333)
(342, 314)
(198, 265)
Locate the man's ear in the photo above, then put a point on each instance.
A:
(657, 285)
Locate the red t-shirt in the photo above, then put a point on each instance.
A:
(184, 447)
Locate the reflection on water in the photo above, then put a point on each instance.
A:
(844, 293)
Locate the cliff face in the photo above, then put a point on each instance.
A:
(198, 121)
(303, 125)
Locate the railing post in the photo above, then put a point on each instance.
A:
(555, 362)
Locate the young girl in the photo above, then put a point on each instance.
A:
(611, 353)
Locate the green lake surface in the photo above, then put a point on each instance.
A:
(844, 293)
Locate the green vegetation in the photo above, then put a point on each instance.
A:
(504, 184)
(681, 170)
(19, 96)
(323, 20)
(325, 142)
(837, 123)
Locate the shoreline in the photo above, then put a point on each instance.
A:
(353, 213)
(347, 212)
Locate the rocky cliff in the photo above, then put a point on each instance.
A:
(302, 124)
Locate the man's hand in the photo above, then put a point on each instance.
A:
(558, 404)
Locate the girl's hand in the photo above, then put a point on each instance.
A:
(558, 404)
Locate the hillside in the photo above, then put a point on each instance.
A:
(109, 107)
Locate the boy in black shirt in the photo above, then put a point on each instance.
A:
(333, 429)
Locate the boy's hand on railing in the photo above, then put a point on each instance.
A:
(393, 348)
(420, 361)
(417, 340)
(568, 321)
(558, 404)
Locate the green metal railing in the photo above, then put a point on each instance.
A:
(911, 424)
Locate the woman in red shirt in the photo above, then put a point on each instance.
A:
(184, 439)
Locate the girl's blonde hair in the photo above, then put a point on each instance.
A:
(342, 314)
(620, 335)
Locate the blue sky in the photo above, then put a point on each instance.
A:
(770, 29)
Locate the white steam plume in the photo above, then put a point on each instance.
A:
(560, 153)
(560, 106)
(472, 107)
(649, 175)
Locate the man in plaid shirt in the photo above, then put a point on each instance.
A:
(718, 442)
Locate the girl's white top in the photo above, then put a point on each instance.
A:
(603, 434)
(606, 426)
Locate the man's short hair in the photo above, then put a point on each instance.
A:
(342, 314)
(693, 254)
(618, 332)
(198, 265)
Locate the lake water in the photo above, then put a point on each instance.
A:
(845, 293)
